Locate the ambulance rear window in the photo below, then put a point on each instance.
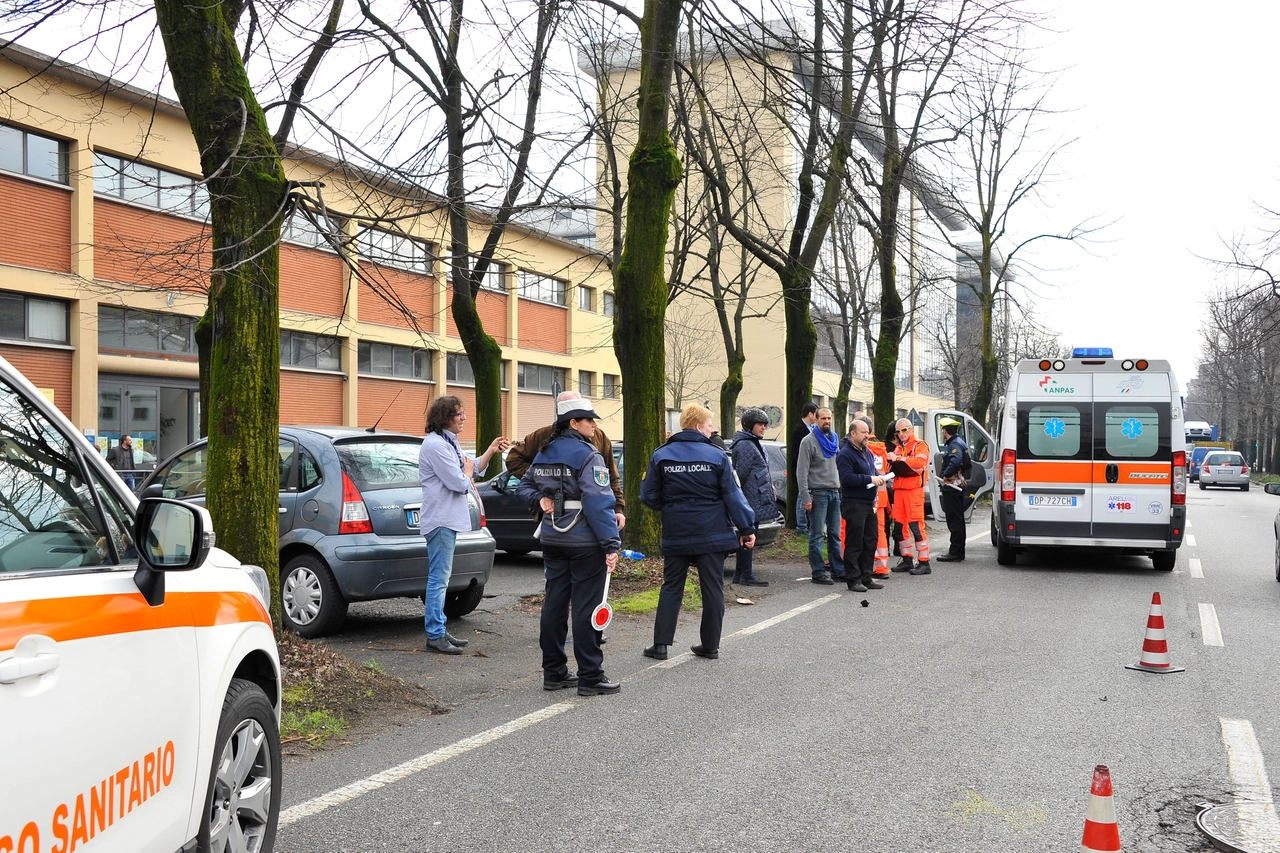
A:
(1133, 432)
(1053, 432)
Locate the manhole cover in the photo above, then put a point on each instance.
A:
(1242, 827)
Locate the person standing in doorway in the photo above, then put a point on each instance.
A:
(122, 459)
(808, 420)
(954, 486)
(909, 461)
(858, 483)
(819, 482)
(445, 473)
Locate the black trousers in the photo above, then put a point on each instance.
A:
(953, 509)
(675, 569)
(574, 576)
(861, 535)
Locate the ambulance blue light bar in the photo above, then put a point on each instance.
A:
(1092, 352)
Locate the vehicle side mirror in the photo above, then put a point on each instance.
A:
(1272, 488)
(171, 536)
(500, 482)
(154, 490)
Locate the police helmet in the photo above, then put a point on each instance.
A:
(753, 416)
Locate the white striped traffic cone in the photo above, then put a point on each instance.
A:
(1101, 832)
(1155, 649)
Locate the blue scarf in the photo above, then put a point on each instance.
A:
(828, 443)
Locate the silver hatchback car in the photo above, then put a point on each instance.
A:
(1224, 468)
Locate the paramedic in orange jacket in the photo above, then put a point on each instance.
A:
(908, 498)
(880, 454)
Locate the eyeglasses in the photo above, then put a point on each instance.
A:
(459, 414)
(905, 429)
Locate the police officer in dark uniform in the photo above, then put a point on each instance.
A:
(691, 481)
(954, 486)
(569, 483)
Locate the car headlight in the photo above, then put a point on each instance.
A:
(259, 577)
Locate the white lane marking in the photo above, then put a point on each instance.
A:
(1196, 571)
(346, 793)
(1209, 628)
(783, 617)
(978, 536)
(359, 788)
(1191, 540)
(1259, 824)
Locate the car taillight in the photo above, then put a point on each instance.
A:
(1179, 496)
(1244, 470)
(355, 515)
(1008, 474)
(1205, 469)
(479, 505)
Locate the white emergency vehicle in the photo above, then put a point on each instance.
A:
(139, 676)
(1091, 456)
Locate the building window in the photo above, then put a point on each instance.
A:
(33, 155)
(149, 186)
(495, 277)
(127, 328)
(817, 400)
(400, 362)
(299, 228)
(606, 304)
(610, 386)
(395, 250)
(540, 377)
(586, 298)
(586, 383)
(542, 288)
(301, 349)
(457, 370)
(29, 318)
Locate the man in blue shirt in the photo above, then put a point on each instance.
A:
(445, 473)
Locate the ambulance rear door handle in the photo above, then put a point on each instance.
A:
(1113, 472)
(17, 668)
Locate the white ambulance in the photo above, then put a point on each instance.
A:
(139, 677)
(1091, 456)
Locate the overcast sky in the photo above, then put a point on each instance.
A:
(1175, 110)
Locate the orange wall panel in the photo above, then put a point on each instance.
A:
(392, 292)
(45, 368)
(492, 308)
(144, 247)
(467, 395)
(35, 230)
(543, 326)
(395, 405)
(311, 281)
(535, 410)
(310, 399)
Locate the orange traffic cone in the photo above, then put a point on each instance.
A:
(1155, 650)
(1101, 832)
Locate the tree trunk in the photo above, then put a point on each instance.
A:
(885, 365)
(640, 286)
(204, 352)
(989, 363)
(247, 189)
(800, 348)
(730, 388)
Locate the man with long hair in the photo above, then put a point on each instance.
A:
(445, 473)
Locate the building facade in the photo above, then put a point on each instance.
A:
(104, 273)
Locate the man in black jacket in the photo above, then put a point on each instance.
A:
(858, 485)
(808, 419)
(954, 486)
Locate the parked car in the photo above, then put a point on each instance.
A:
(126, 640)
(349, 505)
(508, 518)
(1225, 468)
(1274, 489)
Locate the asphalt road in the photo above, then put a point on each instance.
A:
(961, 711)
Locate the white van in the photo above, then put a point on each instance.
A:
(1091, 456)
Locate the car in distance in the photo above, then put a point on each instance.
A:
(1198, 431)
(1224, 468)
(127, 642)
(349, 507)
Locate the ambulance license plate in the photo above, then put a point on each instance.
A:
(411, 518)
(1051, 500)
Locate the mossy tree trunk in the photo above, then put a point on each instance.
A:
(247, 190)
(640, 285)
(884, 367)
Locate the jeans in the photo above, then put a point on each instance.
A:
(802, 520)
(824, 519)
(440, 545)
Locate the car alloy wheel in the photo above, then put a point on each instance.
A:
(243, 803)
